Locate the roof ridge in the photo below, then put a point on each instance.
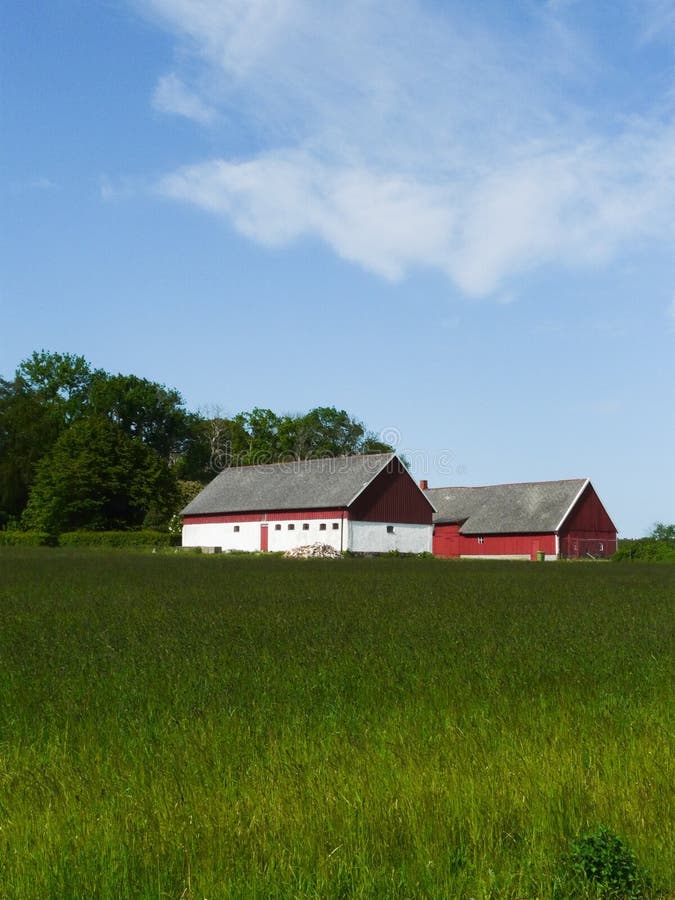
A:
(477, 487)
(306, 459)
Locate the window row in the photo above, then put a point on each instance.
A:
(305, 526)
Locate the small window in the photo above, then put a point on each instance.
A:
(236, 528)
(322, 526)
(305, 526)
(336, 525)
(481, 540)
(291, 526)
(390, 529)
(277, 527)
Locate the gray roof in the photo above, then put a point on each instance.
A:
(533, 506)
(305, 484)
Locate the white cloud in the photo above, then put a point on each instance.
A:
(384, 223)
(172, 96)
(404, 137)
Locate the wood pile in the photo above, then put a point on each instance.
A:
(313, 551)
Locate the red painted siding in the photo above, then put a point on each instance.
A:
(393, 496)
(447, 541)
(588, 530)
(276, 516)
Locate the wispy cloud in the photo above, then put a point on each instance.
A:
(404, 137)
(174, 97)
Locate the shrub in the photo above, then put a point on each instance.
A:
(127, 539)
(645, 549)
(602, 862)
(27, 539)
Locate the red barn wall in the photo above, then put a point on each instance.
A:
(447, 541)
(588, 529)
(393, 496)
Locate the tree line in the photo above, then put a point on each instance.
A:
(81, 448)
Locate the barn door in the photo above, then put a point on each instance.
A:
(263, 537)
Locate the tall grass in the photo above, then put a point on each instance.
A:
(178, 726)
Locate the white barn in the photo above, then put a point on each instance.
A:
(365, 504)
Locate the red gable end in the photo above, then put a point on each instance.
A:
(392, 496)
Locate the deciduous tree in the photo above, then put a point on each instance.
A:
(98, 477)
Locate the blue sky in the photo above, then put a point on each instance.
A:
(454, 220)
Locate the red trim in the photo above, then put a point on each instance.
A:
(277, 516)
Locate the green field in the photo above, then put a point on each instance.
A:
(176, 726)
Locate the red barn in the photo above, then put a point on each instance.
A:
(366, 504)
(559, 519)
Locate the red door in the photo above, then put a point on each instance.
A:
(263, 537)
(445, 541)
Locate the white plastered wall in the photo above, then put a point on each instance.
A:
(373, 537)
(222, 534)
(285, 538)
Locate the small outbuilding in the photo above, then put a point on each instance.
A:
(365, 504)
(531, 520)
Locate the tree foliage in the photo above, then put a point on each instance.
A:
(662, 532)
(322, 432)
(143, 410)
(61, 381)
(97, 477)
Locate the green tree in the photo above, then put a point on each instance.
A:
(97, 477)
(322, 432)
(48, 393)
(261, 430)
(144, 410)
(327, 431)
(60, 381)
(661, 532)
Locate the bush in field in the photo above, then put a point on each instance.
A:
(604, 863)
(645, 549)
(27, 539)
(128, 539)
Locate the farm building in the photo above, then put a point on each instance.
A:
(559, 519)
(366, 504)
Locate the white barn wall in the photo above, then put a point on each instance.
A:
(373, 537)
(286, 539)
(222, 534)
(359, 537)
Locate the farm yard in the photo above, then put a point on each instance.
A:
(183, 726)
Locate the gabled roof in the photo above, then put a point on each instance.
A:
(304, 484)
(533, 506)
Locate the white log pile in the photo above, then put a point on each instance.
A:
(313, 551)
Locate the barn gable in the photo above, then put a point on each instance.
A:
(392, 496)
